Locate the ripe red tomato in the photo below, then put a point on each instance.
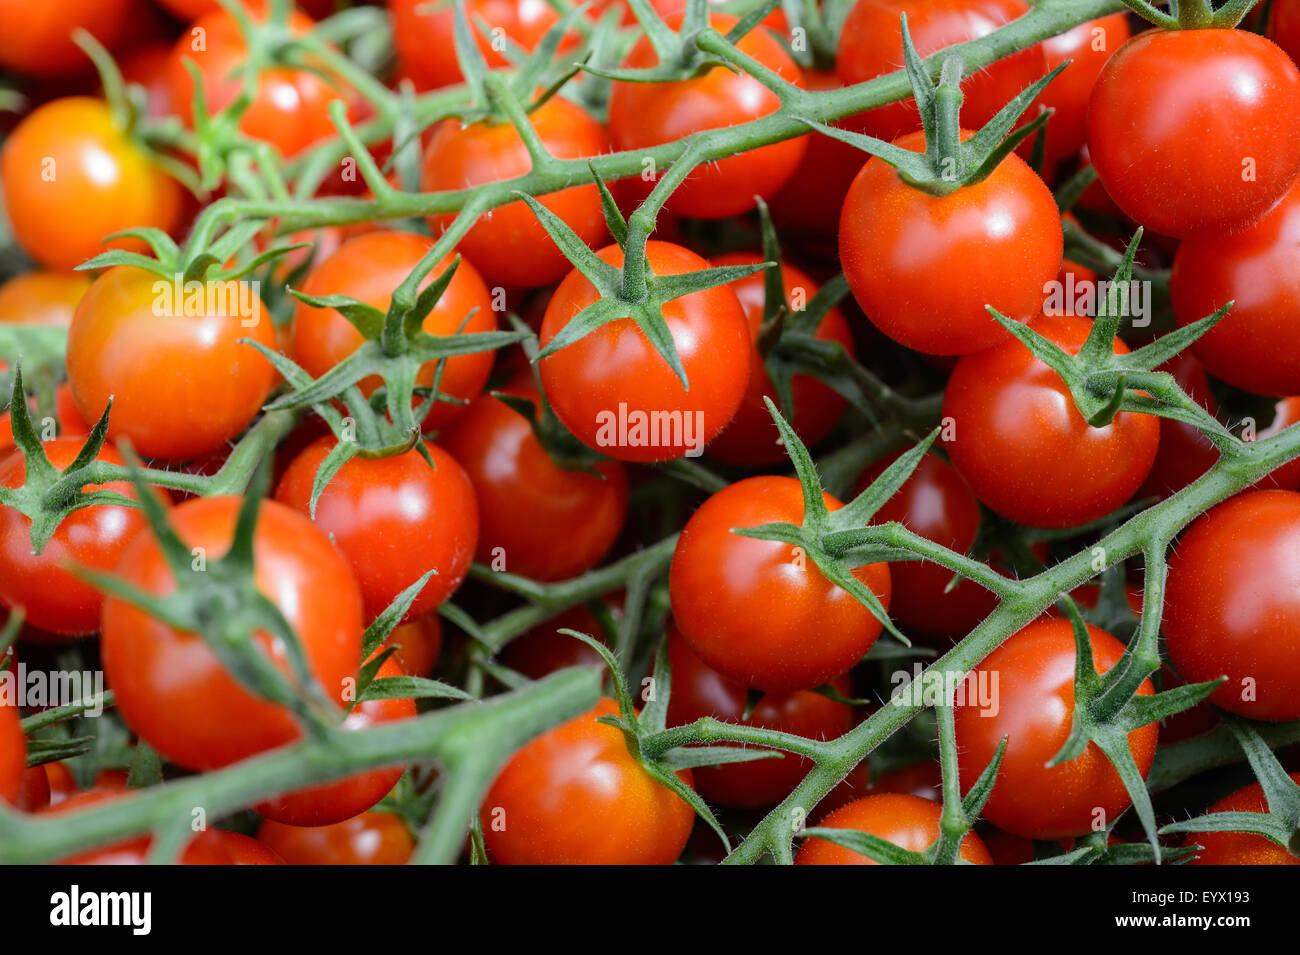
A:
(372, 838)
(1255, 269)
(1023, 447)
(576, 796)
(1196, 130)
(1032, 704)
(647, 114)
(37, 39)
(1240, 848)
(1088, 46)
(172, 689)
(698, 690)
(871, 45)
(67, 418)
(393, 518)
(1232, 605)
(182, 385)
(1286, 476)
(509, 245)
(34, 793)
(614, 391)
(368, 268)
(42, 298)
(1284, 26)
(752, 438)
(54, 598)
(13, 755)
(539, 519)
(894, 240)
(543, 649)
(909, 822)
(72, 177)
(1185, 453)
(336, 802)
(759, 611)
(919, 779)
(418, 644)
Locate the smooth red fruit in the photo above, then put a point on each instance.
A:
(13, 755)
(37, 39)
(418, 644)
(42, 298)
(1087, 47)
(909, 822)
(1240, 848)
(372, 838)
(543, 649)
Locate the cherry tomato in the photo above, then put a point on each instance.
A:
(871, 45)
(1196, 130)
(1232, 606)
(576, 796)
(895, 239)
(37, 39)
(1284, 26)
(1285, 476)
(13, 755)
(1032, 704)
(647, 114)
(617, 394)
(760, 612)
(372, 838)
(1189, 723)
(509, 245)
(1254, 268)
(1240, 848)
(54, 598)
(1185, 453)
(42, 298)
(71, 177)
(909, 822)
(543, 649)
(752, 438)
(919, 779)
(1088, 46)
(34, 792)
(418, 644)
(394, 519)
(67, 421)
(539, 519)
(173, 691)
(1023, 447)
(368, 268)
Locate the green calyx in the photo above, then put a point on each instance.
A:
(1193, 14)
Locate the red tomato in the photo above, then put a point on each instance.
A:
(67, 420)
(42, 298)
(759, 611)
(393, 518)
(13, 755)
(1023, 447)
(34, 793)
(1284, 26)
(576, 796)
(894, 240)
(72, 177)
(372, 838)
(1088, 46)
(1189, 723)
(919, 779)
(1185, 453)
(1287, 476)
(1240, 848)
(1255, 268)
(1196, 130)
(336, 802)
(368, 268)
(172, 689)
(871, 45)
(1032, 704)
(909, 822)
(54, 598)
(539, 519)
(543, 649)
(37, 39)
(182, 384)
(642, 115)
(752, 438)
(509, 245)
(148, 67)
(698, 690)
(1232, 604)
(418, 644)
(614, 391)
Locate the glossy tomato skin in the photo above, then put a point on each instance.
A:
(1284, 26)
(53, 597)
(754, 610)
(871, 45)
(418, 643)
(1285, 476)
(615, 369)
(698, 690)
(1185, 453)
(13, 755)
(895, 239)
(1240, 848)
(42, 298)
(543, 649)
(182, 384)
(508, 244)
(394, 519)
(371, 838)
(1088, 46)
(1232, 604)
(1034, 703)
(907, 821)
(71, 177)
(336, 802)
(37, 39)
(1256, 269)
(752, 438)
(543, 520)
(576, 796)
(647, 114)
(1018, 439)
(1196, 130)
(172, 689)
(368, 268)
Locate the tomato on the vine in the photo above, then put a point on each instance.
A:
(13, 754)
(1185, 453)
(543, 649)
(576, 796)
(42, 298)
(417, 644)
(372, 838)
(909, 822)
(37, 39)
(1240, 848)
(759, 611)
(1087, 48)
(67, 418)
(618, 395)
